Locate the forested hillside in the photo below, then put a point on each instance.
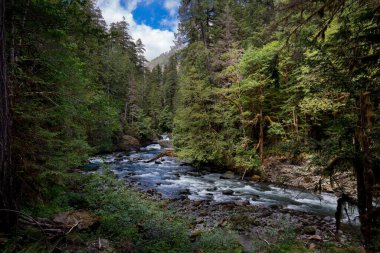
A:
(261, 78)
(254, 80)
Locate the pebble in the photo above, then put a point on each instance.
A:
(197, 203)
(199, 220)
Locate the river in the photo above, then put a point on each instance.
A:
(174, 179)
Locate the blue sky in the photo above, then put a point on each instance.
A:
(153, 21)
(155, 15)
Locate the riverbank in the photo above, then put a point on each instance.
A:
(255, 226)
(307, 177)
(123, 203)
(98, 213)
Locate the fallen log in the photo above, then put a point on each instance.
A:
(170, 153)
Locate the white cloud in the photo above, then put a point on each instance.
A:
(172, 23)
(172, 6)
(156, 41)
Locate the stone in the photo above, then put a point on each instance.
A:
(307, 180)
(245, 202)
(165, 143)
(194, 174)
(255, 178)
(197, 203)
(129, 143)
(195, 233)
(223, 223)
(76, 219)
(212, 189)
(228, 192)
(275, 206)
(255, 197)
(184, 192)
(199, 220)
(151, 191)
(228, 175)
(312, 246)
(265, 213)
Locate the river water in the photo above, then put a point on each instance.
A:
(174, 179)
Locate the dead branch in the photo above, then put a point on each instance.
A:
(165, 153)
(262, 239)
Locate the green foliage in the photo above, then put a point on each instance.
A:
(219, 241)
(284, 76)
(253, 77)
(137, 219)
(194, 134)
(166, 120)
(126, 215)
(142, 128)
(288, 246)
(245, 156)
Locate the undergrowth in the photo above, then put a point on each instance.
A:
(128, 220)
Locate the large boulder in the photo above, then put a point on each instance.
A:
(255, 178)
(165, 143)
(228, 175)
(129, 143)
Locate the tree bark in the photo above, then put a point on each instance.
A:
(261, 136)
(369, 215)
(7, 196)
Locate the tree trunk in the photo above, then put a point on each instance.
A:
(12, 54)
(261, 136)
(7, 196)
(369, 215)
(295, 123)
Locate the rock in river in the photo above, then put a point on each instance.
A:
(228, 192)
(255, 197)
(228, 175)
(129, 143)
(255, 178)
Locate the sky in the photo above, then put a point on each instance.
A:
(153, 21)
